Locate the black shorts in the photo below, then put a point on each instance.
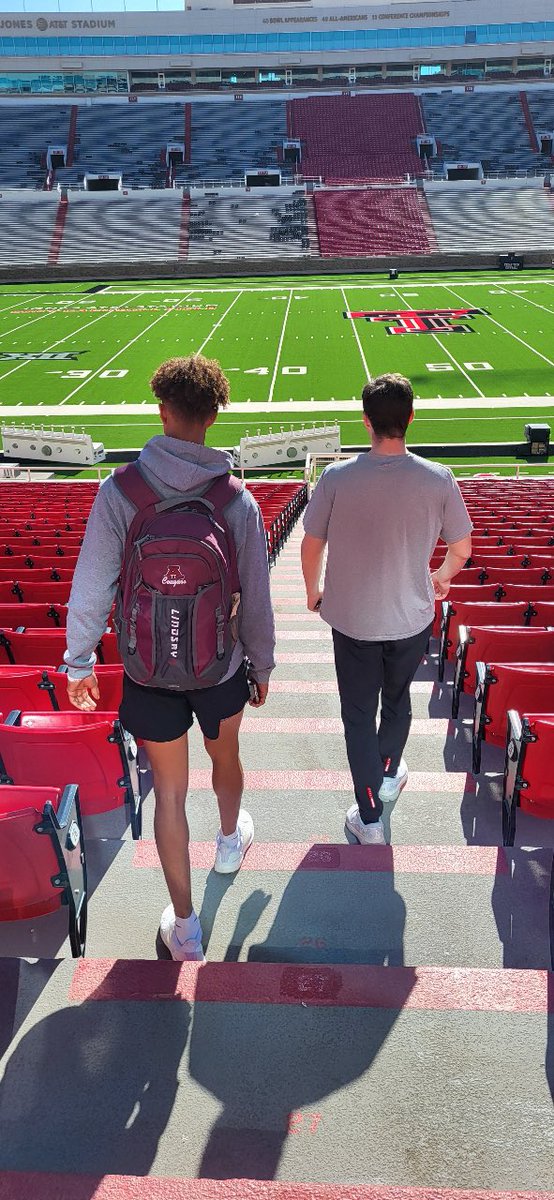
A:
(159, 715)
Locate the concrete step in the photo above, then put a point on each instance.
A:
(258, 1072)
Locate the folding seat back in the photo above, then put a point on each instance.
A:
(40, 748)
(35, 575)
(528, 776)
(110, 683)
(501, 686)
(32, 646)
(536, 576)
(523, 591)
(31, 688)
(496, 644)
(33, 616)
(52, 593)
(474, 592)
(42, 857)
(540, 613)
(459, 613)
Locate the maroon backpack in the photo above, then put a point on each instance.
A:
(179, 588)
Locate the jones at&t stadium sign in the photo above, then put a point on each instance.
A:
(423, 320)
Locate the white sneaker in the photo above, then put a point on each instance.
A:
(189, 951)
(228, 858)
(368, 835)
(391, 786)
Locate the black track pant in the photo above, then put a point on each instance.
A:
(367, 671)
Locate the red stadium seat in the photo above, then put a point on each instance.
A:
(28, 688)
(35, 575)
(38, 748)
(501, 686)
(42, 857)
(37, 646)
(528, 776)
(493, 644)
(462, 613)
(33, 616)
(35, 593)
(110, 682)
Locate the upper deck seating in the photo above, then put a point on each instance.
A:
(358, 137)
(480, 126)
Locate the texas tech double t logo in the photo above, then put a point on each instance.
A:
(422, 320)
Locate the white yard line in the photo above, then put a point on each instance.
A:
(451, 356)
(74, 334)
(356, 334)
(279, 348)
(86, 411)
(210, 335)
(123, 349)
(353, 282)
(505, 329)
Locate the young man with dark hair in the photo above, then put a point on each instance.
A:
(380, 515)
(177, 465)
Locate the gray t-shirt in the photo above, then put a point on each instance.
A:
(381, 516)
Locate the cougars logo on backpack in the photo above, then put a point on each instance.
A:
(173, 576)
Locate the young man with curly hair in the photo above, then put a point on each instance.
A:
(191, 391)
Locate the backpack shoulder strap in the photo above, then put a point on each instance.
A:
(220, 494)
(130, 480)
(223, 490)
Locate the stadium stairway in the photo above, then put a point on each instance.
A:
(369, 1019)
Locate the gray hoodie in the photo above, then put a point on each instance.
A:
(171, 466)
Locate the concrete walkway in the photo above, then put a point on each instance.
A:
(373, 1022)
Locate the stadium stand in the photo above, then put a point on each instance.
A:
(227, 140)
(26, 136)
(131, 140)
(376, 221)
(131, 228)
(479, 127)
(253, 226)
(27, 228)
(492, 218)
(357, 137)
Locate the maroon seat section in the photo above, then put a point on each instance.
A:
(379, 221)
(349, 137)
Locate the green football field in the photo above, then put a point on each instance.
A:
(81, 355)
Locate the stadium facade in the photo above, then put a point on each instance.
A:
(248, 45)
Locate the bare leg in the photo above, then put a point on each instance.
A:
(227, 772)
(170, 768)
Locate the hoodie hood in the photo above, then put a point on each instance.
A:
(183, 466)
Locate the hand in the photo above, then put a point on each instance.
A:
(263, 689)
(84, 693)
(440, 588)
(313, 601)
